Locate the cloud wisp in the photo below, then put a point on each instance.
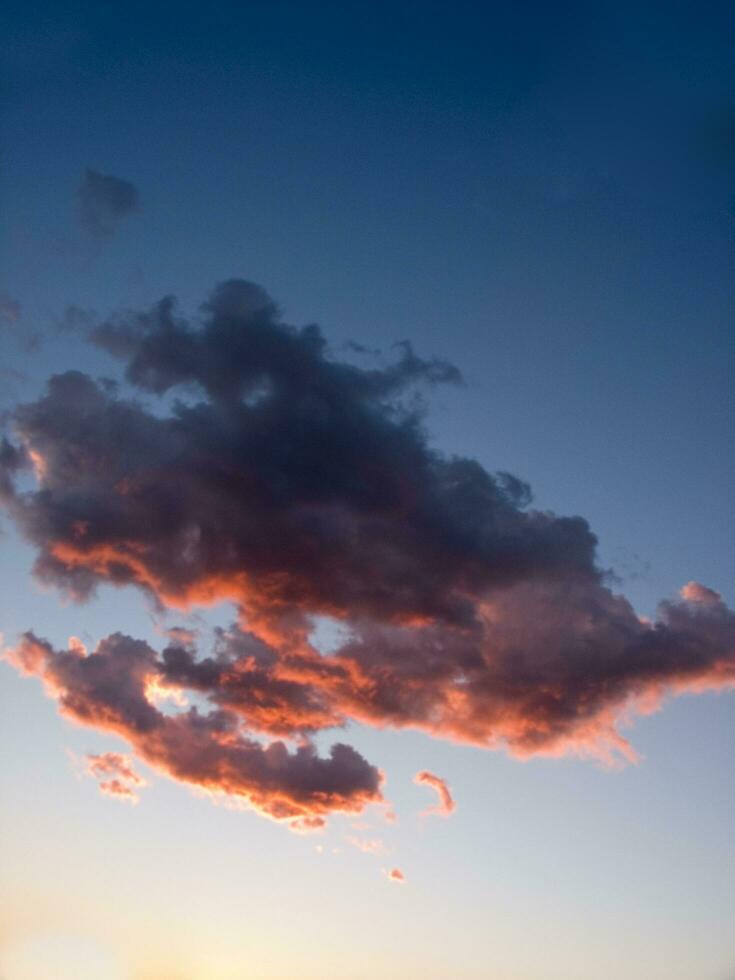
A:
(103, 201)
(367, 845)
(296, 485)
(115, 775)
(395, 875)
(446, 805)
(9, 310)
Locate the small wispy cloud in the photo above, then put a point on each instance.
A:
(367, 845)
(446, 804)
(9, 309)
(307, 825)
(395, 875)
(115, 775)
(103, 201)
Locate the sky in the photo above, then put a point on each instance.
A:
(366, 482)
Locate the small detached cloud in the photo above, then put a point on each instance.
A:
(75, 320)
(116, 776)
(307, 825)
(396, 875)
(103, 202)
(9, 310)
(446, 804)
(119, 790)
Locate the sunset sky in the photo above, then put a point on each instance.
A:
(366, 481)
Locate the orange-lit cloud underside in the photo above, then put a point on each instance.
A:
(294, 690)
(108, 691)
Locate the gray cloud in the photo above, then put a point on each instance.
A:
(294, 483)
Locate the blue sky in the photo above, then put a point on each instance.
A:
(546, 198)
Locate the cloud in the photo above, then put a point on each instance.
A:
(75, 320)
(115, 774)
(113, 764)
(106, 690)
(11, 322)
(103, 201)
(118, 790)
(307, 825)
(367, 845)
(9, 310)
(694, 592)
(396, 875)
(296, 486)
(446, 804)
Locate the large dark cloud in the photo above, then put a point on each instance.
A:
(103, 201)
(271, 474)
(288, 481)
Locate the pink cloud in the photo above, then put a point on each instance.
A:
(118, 790)
(115, 774)
(107, 690)
(396, 875)
(446, 804)
(307, 825)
